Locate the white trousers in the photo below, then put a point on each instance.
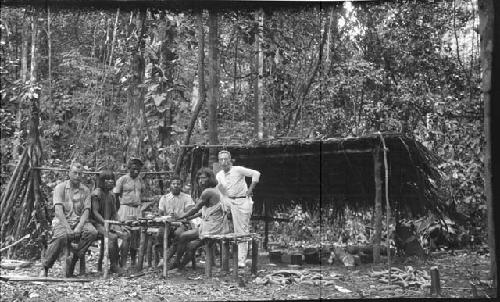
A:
(241, 211)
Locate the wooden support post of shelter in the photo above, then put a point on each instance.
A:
(378, 205)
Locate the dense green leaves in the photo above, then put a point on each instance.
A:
(401, 66)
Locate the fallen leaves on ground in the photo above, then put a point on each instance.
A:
(271, 283)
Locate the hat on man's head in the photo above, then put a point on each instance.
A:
(135, 161)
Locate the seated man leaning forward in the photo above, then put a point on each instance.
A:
(104, 208)
(72, 206)
(213, 213)
(176, 203)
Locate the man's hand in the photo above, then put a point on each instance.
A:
(249, 192)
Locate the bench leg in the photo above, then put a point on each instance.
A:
(225, 256)
(208, 257)
(67, 259)
(255, 255)
(235, 259)
(149, 250)
(83, 267)
(101, 255)
(193, 261)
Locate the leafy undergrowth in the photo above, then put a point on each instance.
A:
(456, 272)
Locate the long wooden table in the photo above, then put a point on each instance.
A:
(144, 224)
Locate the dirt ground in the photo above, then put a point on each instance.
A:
(456, 270)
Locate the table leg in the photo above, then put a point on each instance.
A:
(106, 249)
(165, 249)
(142, 245)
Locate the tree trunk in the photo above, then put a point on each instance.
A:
(135, 94)
(259, 64)
(49, 47)
(377, 164)
(201, 89)
(24, 78)
(213, 90)
(489, 43)
(329, 36)
(34, 34)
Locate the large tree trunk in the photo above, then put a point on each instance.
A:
(213, 90)
(489, 68)
(259, 64)
(377, 217)
(201, 89)
(135, 94)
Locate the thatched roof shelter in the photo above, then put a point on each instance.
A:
(338, 172)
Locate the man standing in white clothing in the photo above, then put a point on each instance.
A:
(238, 196)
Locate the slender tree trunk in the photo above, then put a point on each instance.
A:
(135, 94)
(489, 43)
(49, 46)
(329, 37)
(201, 89)
(24, 78)
(34, 34)
(377, 164)
(213, 92)
(259, 56)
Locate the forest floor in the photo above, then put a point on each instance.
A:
(456, 270)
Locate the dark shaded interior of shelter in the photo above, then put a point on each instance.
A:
(336, 173)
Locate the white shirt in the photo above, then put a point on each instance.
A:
(233, 181)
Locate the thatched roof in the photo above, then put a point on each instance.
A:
(338, 172)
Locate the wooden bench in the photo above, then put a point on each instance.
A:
(69, 249)
(226, 241)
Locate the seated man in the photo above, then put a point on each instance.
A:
(214, 218)
(175, 204)
(72, 206)
(104, 208)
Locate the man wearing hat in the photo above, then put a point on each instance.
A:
(128, 192)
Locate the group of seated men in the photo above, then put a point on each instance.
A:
(80, 214)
